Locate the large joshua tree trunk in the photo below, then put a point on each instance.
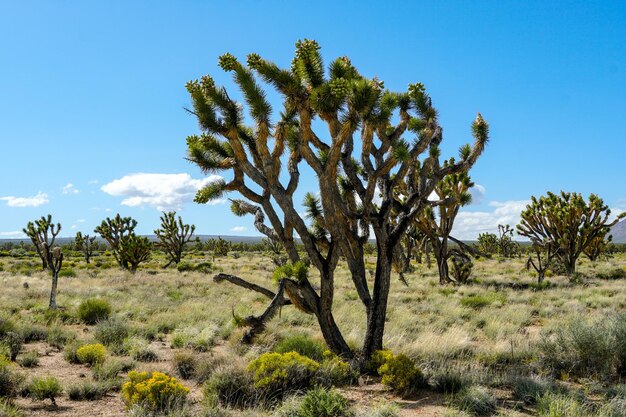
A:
(377, 314)
(53, 291)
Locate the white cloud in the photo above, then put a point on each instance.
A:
(35, 201)
(69, 189)
(238, 229)
(477, 192)
(92, 182)
(81, 221)
(163, 191)
(469, 224)
(74, 226)
(16, 233)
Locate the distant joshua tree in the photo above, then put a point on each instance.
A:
(129, 249)
(569, 222)
(40, 232)
(84, 243)
(173, 236)
(43, 233)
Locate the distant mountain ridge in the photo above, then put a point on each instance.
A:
(204, 238)
(619, 232)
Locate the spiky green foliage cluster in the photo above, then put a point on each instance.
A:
(42, 233)
(84, 243)
(298, 271)
(567, 221)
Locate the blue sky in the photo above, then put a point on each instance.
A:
(93, 92)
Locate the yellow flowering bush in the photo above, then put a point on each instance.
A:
(155, 390)
(91, 354)
(281, 372)
(400, 374)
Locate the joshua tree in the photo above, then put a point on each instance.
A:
(54, 262)
(356, 111)
(41, 232)
(454, 189)
(173, 236)
(598, 247)
(506, 245)
(129, 249)
(488, 243)
(543, 252)
(568, 221)
(84, 243)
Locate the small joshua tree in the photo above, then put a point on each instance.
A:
(543, 252)
(567, 220)
(129, 249)
(221, 247)
(173, 236)
(54, 262)
(506, 245)
(42, 231)
(454, 191)
(84, 243)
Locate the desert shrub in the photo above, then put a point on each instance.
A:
(230, 386)
(479, 301)
(303, 345)
(13, 341)
(69, 352)
(384, 409)
(333, 372)
(579, 348)
(615, 407)
(93, 310)
(615, 273)
(10, 381)
(33, 333)
(109, 371)
(111, 332)
(289, 408)
(185, 267)
(67, 273)
(529, 390)
(556, 405)
(320, 402)
(449, 381)
(156, 390)
(140, 350)
(185, 364)
(29, 359)
(91, 354)
(477, 401)
(8, 409)
(88, 391)
(45, 388)
(6, 326)
(401, 375)
(280, 373)
(198, 339)
(203, 267)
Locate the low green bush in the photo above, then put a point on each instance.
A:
(69, 352)
(449, 381)
(558, 405)
(477, 401)
(231, 386)
(185, 364)
(88, 391)
(401, 374)
(111, 331)
(67, 273)
(334, 372)
(45, 388)
(91, 354)
(320, 402)
(303, 345)
(33, 333)
(281, 373)
(13, 341)
(29, 359)
(94, 310)
(58, 337)
(11, 381)
(8, 409)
